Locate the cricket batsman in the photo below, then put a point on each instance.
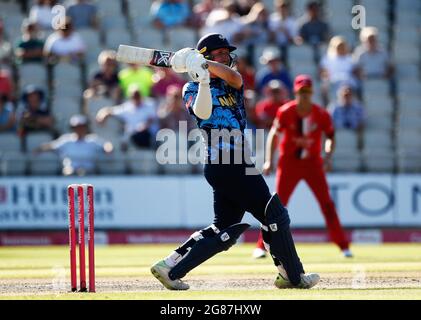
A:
(215, 99)
(302, 125)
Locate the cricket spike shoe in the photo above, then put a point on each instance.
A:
(347, 253)
(160, 271)
(259, 253)
(308, 281)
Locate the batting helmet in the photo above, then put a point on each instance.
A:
(213, 41)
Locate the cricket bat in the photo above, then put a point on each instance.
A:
(146, 56)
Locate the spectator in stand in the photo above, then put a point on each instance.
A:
(134, 74)
(172, 110)
(7, 115)
(247, 72)
(372, 59)
(65, 44)
(6, 84)
(283, 27)
(250, 106)
(33, 114)
(337, 68)
(78, 150)
(5, 46)
(83, 14)
(273, 70)
(346, 112)
(224, 20)
(243, 7)
(170, 13)
(138, 116)
(311, 28)
(105, 82)
(30, 47)
(266, 109)
(255, 27)
(163, 79)
(201, 11)
(42, 14)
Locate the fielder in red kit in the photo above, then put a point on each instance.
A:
(302, 125)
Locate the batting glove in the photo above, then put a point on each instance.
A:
(197, 68)
(178, 60)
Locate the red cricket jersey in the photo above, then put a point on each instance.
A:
(302, 137)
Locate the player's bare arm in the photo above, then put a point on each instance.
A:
(329, 149)
(232, 77)
(270, 148)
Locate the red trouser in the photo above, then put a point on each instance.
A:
(289, 174)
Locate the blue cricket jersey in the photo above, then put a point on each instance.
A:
(228, 113)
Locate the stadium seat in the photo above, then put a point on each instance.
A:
(300, 54)
(379, 104)
(115, 37)
(111, 131)
(47, 163)
(409, 138)
(409, 88)
(408, 5)
(142, 161)
(150, 38)
(375, 7)
(408, 53)
(10, 142)
(409, 107)
(62, 109)
(299, 7)
(114, 21)
(109, 7)
(345, 161)
(114, 163)
(35, 139)
(32, 73)
(378, 159)
(379, 122)
(409, 122)
(13, 163)
(408, 17)
(66, 72)
(139, 9)
(346, 140)
(181, 37)
(376, 87)
(408, 71)
(409, 160)
(94, 104)
(380, 139)
(304, 67)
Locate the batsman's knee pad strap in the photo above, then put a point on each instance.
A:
(276, 214)
(206, 248)
(281, 243)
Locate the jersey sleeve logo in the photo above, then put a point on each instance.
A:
(189, 101)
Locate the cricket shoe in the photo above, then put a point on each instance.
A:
(160, 271)
(347, 253)
(308, 281)
(259, 253)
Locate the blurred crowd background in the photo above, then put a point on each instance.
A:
(68, 107)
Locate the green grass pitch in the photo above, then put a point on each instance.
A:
(387, 271)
